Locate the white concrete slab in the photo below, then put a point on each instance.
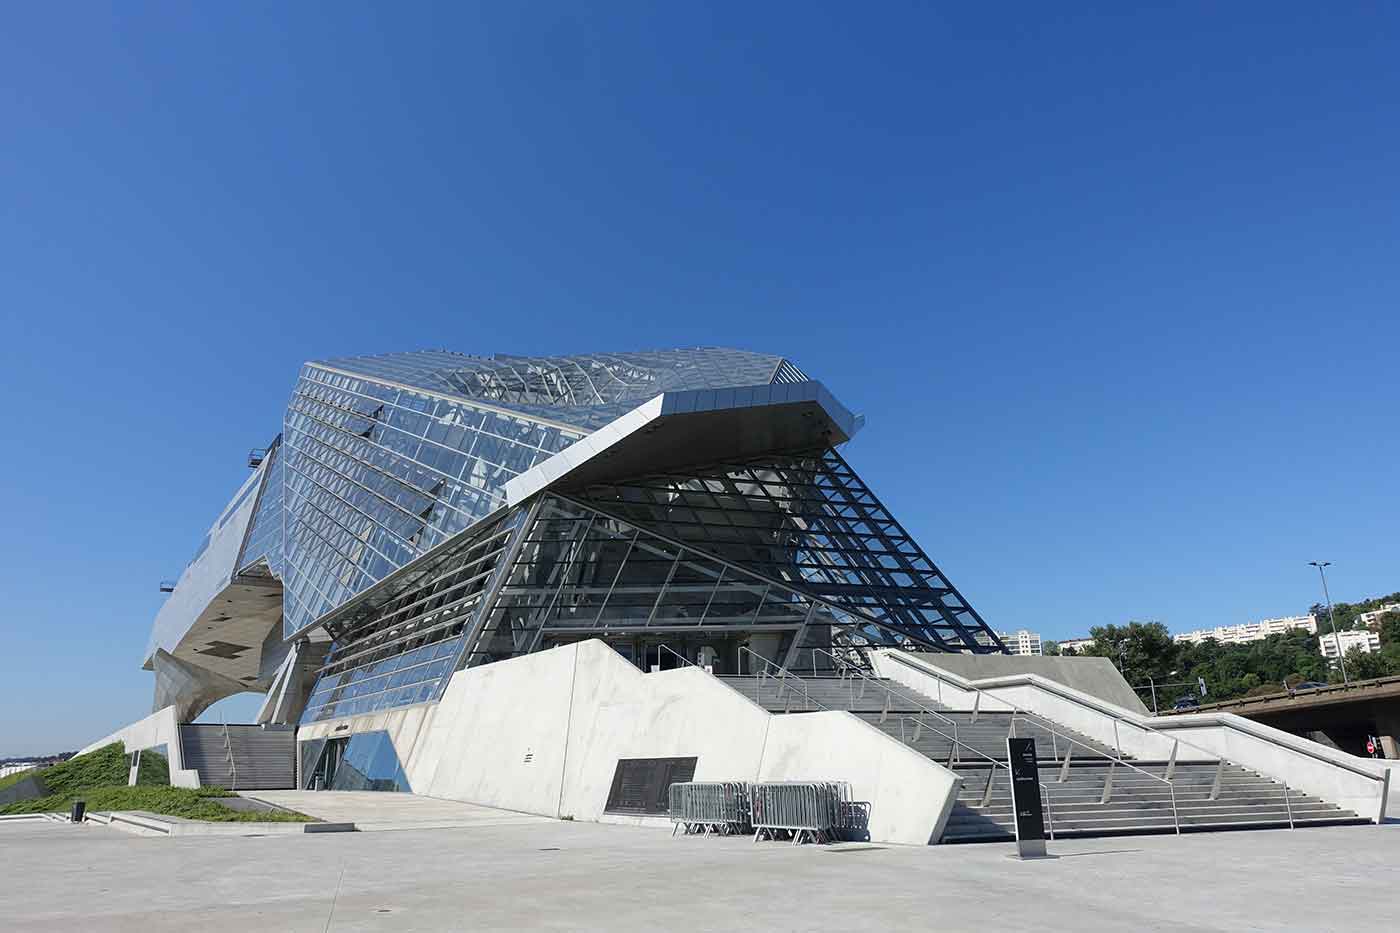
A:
(550, 875)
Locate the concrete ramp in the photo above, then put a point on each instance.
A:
(373, 811)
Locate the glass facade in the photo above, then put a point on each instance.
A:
(400, 650)
(376, 476)
(363, 761)
(264, 539)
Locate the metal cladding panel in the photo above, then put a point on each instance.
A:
(211, 569)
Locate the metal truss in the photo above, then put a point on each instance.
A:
(794, 546)
(809, 521)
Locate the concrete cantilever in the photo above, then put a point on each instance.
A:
(698, 426)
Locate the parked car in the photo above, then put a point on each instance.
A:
(1186, 702)
(1310, 685)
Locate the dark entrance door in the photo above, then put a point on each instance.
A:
(323, 777)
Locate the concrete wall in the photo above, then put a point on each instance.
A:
(1094, 676)
(543, 734)
(159, 728)
(1357, 784)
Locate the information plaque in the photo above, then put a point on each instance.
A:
(1025, 798)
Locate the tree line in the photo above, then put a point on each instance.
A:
(1145, 651)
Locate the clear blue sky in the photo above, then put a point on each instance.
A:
(1118, 291)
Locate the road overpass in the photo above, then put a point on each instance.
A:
(1339, 715)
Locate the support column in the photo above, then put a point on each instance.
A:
(1388, 728)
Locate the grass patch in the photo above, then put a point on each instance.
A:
(100, 777)
(105, 767)
(192, 804)
(15, 778)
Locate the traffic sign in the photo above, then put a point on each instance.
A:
(1370, 745)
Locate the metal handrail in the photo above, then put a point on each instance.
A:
(919, 724)
(969, 687)
(842, 666)
(1054, 734)
(785, 674)
(1039, 722)
(683, 658)
(228, 749)
(1241, 726)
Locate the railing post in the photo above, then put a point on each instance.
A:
(885, 712)
(1219, 775)
(1064, 768)
(918, 729)
(1171, 762)
(976, 705)
(1108, 783)
(1289, 804)
(987, 794)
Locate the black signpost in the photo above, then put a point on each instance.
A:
(1025, 798)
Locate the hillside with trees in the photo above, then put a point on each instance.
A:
(1145, 650)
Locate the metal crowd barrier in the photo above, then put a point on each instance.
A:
(720, 807)
(821, 811)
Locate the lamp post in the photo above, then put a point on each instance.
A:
(1152, 685)
(1336, 639)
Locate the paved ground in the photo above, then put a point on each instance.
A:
(538, 874)
(371, 811)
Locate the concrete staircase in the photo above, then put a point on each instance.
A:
(1209, 794)
(242, 758)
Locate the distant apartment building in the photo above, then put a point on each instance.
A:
(1367, 641)
(1076, 645)
(1250, 631)
(1372, 619)
(1021, 641)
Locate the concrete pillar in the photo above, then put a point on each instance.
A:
(1388, 728)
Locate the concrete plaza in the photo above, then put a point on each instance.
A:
(503, 873)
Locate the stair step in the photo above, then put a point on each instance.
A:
(1141, 801)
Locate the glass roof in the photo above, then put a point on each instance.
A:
(587, 390)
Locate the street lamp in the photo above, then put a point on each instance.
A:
(1336, 640)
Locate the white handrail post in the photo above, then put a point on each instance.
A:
(1108, 783)
(987, 794)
